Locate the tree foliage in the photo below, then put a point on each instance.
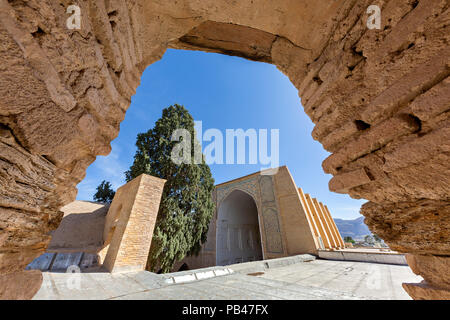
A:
(349, 239)
(104, 193)
(186, 204)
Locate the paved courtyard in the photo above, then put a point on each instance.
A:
(318, 279)
(381, 281)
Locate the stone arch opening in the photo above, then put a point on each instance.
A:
(65, 93)
(238, 235)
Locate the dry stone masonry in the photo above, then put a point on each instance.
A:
(379, 98)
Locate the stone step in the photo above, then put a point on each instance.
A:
(60, 262)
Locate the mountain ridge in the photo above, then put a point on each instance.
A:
(355, 228)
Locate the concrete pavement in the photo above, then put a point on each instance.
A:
(315, 279)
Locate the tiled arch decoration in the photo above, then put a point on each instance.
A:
(249, 186)
(261, 189)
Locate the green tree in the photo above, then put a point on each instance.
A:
(186, 205)
(104, 193)
(349, 239)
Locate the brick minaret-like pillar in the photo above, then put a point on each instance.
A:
(129, 224)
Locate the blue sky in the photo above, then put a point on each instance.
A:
(224, 93)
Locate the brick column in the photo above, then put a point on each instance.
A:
(130, 222)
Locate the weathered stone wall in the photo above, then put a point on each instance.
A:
(379, 99)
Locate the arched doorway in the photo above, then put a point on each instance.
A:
(238, 235)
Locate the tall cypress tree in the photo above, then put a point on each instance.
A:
(104, 193)
(186, 205)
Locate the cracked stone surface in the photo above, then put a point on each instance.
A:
(379, 100)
